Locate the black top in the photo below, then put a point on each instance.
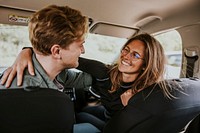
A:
(149, 111)
(102, 83)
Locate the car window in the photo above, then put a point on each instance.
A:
(103, 48)
(172, 44)
(12, 39)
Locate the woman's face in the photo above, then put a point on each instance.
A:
(132, 58)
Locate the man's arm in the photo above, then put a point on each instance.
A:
(23, 60)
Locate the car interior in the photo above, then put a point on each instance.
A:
(175, 23)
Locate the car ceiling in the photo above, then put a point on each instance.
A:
(139, 14)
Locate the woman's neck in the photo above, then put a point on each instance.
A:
(129, 77)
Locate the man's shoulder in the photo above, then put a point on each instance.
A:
(13, 84)
(27, 81)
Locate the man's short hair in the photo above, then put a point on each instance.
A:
(56, 25)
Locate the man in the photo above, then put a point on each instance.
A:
(57, 35)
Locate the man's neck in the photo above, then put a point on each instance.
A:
(49, 64)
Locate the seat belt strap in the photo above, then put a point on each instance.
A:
(190, 65)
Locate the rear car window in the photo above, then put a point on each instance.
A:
(172, 44)
(99, 47)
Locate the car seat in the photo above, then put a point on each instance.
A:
(35, 110)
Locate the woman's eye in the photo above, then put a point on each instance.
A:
(137, 56)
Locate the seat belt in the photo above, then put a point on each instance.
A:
(191, 57)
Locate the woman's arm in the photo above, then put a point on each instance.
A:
(71, 78)
(92, 70)
(127, 120)
(24, 59)
(96, 68)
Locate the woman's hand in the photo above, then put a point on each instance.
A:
(23, 60)
(126, 96)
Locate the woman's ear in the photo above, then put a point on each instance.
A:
(56, 51)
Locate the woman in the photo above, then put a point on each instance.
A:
(140, 64)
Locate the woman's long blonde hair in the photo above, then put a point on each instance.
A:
(154, 64)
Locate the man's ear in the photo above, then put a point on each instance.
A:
(55, 51)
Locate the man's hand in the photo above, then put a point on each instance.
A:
(23, 60)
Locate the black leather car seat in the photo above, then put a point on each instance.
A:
(35, 110)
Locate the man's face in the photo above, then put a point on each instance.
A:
(71, 54)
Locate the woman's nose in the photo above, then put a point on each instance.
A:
(128, 56)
